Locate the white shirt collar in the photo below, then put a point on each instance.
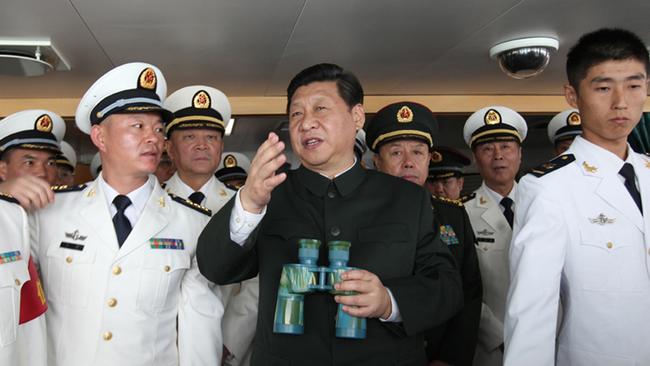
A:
(497, 197)
(138, 197)
(181, 188)
(341, 173)
(605, 160)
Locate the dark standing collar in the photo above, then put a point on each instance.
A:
(318, 184)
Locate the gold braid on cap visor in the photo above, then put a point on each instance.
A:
(492, 132)
(387, 135)
(194, 118)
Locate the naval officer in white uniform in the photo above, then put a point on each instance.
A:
(495, 135)
(118, 255)
(29, 142)
(195, 145)
(582, 232)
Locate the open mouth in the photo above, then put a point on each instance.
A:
(311, 143)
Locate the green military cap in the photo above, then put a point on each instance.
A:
(402, 120)
(446, 162)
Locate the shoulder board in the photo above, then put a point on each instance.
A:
(190, 204)
(231, 187)
(458, 202)
(67, 188)
(553, 165)
(469, 197)
(8, 198)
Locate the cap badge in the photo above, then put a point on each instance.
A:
(573, 119)
(43, 123)
(201, 100)
(230, 161)
(405, 115)
(147, 79)
(492, 117)
(436, 157)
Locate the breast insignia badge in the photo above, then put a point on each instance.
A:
(602, 220)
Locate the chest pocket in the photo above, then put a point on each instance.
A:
(384, 250)
(68, 274)
(160, 278)
(12, 277)
(290, 230)
(611, 258)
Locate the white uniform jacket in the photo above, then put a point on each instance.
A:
(580, 236)
(118, 306)
(493, 236)
(24, 344)
(239, 299)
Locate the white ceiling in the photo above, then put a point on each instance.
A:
(254, 47)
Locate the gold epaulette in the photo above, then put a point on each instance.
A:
(66, 188)
(190, 204)
(469, 197)
(8, 198)
(553, 165)
(458, 202)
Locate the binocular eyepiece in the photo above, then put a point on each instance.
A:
(306, 277)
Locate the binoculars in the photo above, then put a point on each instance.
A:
(306, 277)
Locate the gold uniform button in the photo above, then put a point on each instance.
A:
(167, 268)
(111, 302)
(68, 259)
(610, 245)
(17, 281)
(107, 336)
(117, 270)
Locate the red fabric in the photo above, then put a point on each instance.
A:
(32, 297)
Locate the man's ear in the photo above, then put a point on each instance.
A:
(461, 182)
(571, 95)
(3, 170)
(375, 160)
(98, 137)
(169, 146)
(359, 116)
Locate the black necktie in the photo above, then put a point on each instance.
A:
(197, 197)
(627, 171)
(506, 202)
(120, 221)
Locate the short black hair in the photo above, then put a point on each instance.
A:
(348, 85)
(605, 44)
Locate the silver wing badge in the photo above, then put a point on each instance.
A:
(602, 220)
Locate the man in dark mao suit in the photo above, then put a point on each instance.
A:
(407, 282)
